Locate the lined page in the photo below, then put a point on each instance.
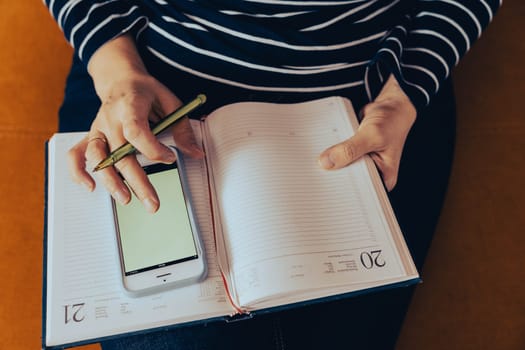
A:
(85, 297)
(288, 225)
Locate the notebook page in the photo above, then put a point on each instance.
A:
(288, 225)
(85, 298)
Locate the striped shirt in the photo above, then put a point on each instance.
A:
(319, 46)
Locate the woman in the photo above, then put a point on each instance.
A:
(136, 61)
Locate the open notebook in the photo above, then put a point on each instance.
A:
(278, 230)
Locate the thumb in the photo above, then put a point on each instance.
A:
(346, 152)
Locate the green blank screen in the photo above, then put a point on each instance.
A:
(149, 240)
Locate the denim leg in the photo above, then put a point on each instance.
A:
(424, 173)
(81, 103)
(262, 333)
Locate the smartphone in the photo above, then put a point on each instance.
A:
(161, 250)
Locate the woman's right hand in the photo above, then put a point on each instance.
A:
(131, 99)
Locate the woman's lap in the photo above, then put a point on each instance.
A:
(370, 321)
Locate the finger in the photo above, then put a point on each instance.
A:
(388, 168)
(182, 131)
(346, 152)
(156, 113)
(137, 179)
(136, 130)
(96, 151)
(185, 139)
(77, 165)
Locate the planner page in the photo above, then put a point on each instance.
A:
(289, 227)
(85, 296)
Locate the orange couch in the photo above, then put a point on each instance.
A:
(474, 280)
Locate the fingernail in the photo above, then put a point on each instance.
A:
(88, 186)
(197, 151)
(170, 157)
(325, 162)
(389, 185)
(150, 205)
(120, 196)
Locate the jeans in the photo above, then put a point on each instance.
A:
(369, 321)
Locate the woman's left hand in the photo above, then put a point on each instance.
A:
(382, 133)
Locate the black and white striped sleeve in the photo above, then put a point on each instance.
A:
(87, 25)
(422, 52)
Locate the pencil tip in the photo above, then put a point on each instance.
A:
(99, 167)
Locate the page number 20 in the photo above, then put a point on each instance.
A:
(372, 259)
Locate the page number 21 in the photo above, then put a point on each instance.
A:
(372, 259)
